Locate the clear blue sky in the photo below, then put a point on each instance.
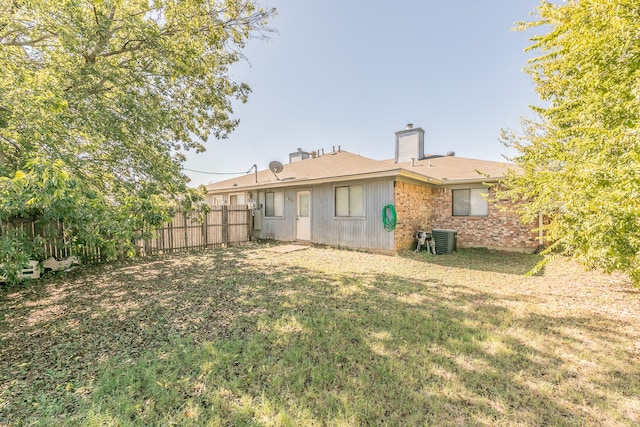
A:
(351, 73)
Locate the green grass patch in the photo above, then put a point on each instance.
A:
(321, 337)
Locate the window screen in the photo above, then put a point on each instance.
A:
(274, 203)
(478, 202)
(349, 200)
(470, 202)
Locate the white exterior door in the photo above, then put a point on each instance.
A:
(303, 215)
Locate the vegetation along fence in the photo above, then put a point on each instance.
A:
(49, 239)
(221, 226)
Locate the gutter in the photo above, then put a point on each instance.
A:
(469, 181)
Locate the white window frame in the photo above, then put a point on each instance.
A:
(475, 200)
(355, 205)
(217, 200)
(278, 204)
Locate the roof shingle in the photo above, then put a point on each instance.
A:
(345, 166)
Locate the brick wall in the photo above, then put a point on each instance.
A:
(424, 208)
(498, 230)
(414, 207)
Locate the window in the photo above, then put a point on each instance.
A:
(217, 200)
(350, 201)
(236, 199)
(274, 203)
(470, 202)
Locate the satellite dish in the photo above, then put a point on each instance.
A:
(276, 167)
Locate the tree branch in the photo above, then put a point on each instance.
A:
(14, 144)
(102, 43)
(125, 49)
(16, 42)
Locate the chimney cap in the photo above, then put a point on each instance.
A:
(409, 125)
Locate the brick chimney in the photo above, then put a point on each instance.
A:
(409, 144)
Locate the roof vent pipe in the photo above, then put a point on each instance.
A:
(413, 160)
(409, 125)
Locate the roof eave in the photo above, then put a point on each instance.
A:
(390, 173)
(491, 179)
(353, 177)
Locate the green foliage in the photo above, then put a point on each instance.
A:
(45, 192)
(580, 161)
(100, 100)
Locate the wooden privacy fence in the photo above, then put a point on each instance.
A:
(50, 238)
(222, 225)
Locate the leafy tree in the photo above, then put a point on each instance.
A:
(99, 100)
(580, 161)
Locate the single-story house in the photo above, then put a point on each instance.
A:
(338, 199)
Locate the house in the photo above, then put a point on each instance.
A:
(337, 199)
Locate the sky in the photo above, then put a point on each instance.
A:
(352, 73)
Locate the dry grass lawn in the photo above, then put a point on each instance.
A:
(243, 336)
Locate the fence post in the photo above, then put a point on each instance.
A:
(171, 239)
(249, 224)
(225, 225)
(205, 232)
(186, 231)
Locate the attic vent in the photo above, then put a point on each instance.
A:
(451, 153)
